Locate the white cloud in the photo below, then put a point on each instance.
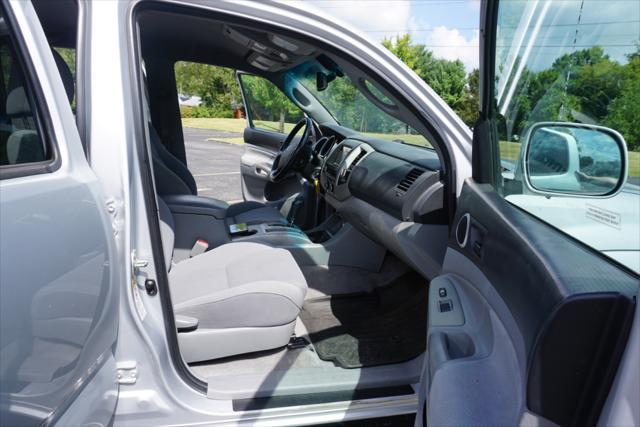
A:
(450, 44)
(374, 17)
(387, 19)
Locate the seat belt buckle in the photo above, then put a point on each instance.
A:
(199, 247)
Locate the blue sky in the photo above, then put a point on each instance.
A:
(448, 27)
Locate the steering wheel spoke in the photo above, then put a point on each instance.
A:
(285, 159)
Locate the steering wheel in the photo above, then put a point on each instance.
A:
(289, 150)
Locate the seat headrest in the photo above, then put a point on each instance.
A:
(65, 74)
(17, 103)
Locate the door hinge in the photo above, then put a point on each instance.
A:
(127, 372)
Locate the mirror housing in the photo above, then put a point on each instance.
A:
(574, 159)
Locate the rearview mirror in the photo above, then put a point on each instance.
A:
(574, 159)
(321, 81)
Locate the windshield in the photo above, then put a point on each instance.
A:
(345, 101)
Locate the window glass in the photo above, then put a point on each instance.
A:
(269, 108)
(567, 90)
(348, 105)
(213, 120)
(20, 140)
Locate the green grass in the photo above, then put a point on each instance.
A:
(509, 150)
(411, 139)
(273, 126)
(634, 163)
(225, 125)
(233, 125)
(233, 140)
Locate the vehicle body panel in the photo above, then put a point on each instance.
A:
(60, 293)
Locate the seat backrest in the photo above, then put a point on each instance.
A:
(171, 175)
(24, 144)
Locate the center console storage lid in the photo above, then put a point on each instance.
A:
(198, 205)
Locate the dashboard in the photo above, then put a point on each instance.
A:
(402, 189)
(393, 193)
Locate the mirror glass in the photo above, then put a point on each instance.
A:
(574, 159)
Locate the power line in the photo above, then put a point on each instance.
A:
(635, 21)
(456, 1)
(421, 3)
(535, 46)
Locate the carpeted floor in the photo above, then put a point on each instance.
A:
(386, 325)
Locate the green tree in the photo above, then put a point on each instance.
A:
(468, 111)
(447, 78)
(216, 86)
(623, 112)
(268, 102)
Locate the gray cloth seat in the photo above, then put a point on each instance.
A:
(240, 297)
(24, 144)
(173, 177)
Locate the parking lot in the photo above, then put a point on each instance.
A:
(214, 164)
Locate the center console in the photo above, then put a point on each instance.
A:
(275, 234)
(200, 224)
(334, 242)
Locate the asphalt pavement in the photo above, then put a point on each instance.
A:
(214, 164)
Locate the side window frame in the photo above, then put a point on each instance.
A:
(239, 75)
(38, 104)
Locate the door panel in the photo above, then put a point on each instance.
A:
(255, 164)
(545, 319)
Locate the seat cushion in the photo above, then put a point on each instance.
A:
(253, 213)
(239, 285)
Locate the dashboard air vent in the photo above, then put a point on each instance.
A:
(353, 164)
(409, 179)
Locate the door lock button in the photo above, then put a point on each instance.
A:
(442, 293)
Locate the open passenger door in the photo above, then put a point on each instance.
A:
(527, 323)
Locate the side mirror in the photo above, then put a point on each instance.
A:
(574, 159)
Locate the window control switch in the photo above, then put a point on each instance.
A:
(445, 306)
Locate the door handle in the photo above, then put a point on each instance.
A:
(438, 351)
(260, 171)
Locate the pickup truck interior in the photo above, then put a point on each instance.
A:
(351, 271)
(320, 285)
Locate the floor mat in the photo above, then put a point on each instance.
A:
(385, 326)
